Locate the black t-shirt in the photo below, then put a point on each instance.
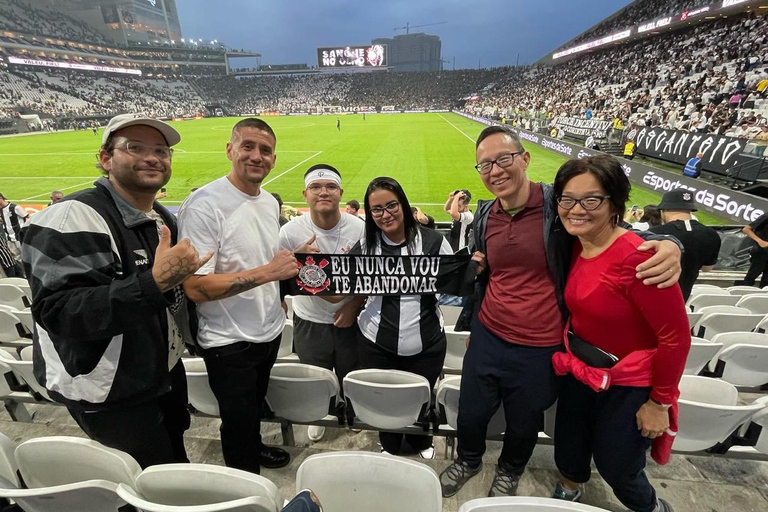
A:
(760, 226)
(701, 246)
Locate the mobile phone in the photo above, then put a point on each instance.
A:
(162, 189)
(634, 207)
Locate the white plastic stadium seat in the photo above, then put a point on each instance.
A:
(525, 504)
(301, 392)
(22, 368)
(718, 319)
(25, 316)
(745, 355)
(200, 487)
(447, 395)
(10, 325)
(728, 339)
(744, 290)
(289, 304)
(457, 347)
(706, 289)
(761, 419)
(709, 413)
(286, 340)
(12, 295)
(450, 314)
(693, 318)
(201, 396)
(705, 299)
(21, 283)
(756, 302)
(702, 351)
(87, 496)
(8, 467)
(370, 482)
(386, 399)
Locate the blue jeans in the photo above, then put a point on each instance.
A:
(301, 503)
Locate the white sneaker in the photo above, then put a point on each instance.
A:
(427, 453)
(315, 433)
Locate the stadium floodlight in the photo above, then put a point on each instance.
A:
(182, 40)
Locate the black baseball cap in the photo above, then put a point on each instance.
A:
(679, 199)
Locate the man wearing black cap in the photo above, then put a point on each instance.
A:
(701, 243)
(457, 206)
(110, 313)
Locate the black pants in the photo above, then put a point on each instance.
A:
(326, 346)
(151, 432)
(428, 364)
(603, 425)
(239, 376)
(495, 371)
(757, 265)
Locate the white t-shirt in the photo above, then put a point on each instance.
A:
(242, 232)
(338, 240)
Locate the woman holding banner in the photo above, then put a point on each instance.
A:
(626, 344)
(400, 332)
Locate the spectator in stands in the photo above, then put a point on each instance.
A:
(629, 149)
(692, 168)
(56, 196)
(10, 267)
(126, 387)
(237, 291)
(757, 230)
(457, 206)
(642, 332)
(701, 244)
(643, 220)
(14, 217)
(282, 220)
(761, 140)
(422, 218)
(399, 332)
(324, 330)
(352, 207)
(518, 311)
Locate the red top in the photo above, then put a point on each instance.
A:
(613, 310)
(520, 305)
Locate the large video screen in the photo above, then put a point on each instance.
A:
(352, 56)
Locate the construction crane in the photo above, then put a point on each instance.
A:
(408, 26)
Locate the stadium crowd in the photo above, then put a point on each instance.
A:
(20, 16)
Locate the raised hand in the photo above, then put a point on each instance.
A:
(283, 265)
(174, 264)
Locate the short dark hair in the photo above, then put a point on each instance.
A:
(278, 199)
(608, 172)
(254, 122)
(107, 147)
(324, 167)
(506, 130)
(354, 203)
(372, 231)
(651, 215)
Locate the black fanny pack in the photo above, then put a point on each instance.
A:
(590, 354)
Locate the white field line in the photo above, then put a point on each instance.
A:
(62, 189)
(292, 168)
(457, 129)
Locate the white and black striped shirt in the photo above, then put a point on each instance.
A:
(404, 324)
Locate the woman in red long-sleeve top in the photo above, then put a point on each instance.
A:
(613, 414)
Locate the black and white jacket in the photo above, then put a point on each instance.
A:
(101, 327)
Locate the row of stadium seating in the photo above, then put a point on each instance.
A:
(18, 15)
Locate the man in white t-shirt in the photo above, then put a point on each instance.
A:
(237, 293)
(316, 338)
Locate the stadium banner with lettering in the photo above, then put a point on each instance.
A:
(720, 152)
(374, 55)
(583, 128)
(737, 206)
(337, 274)
(72, 65)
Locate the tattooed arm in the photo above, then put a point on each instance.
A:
(175, 264)
(205, 288)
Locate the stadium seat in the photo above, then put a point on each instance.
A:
(12, 295)
(87, 496)
(728, 339)
(447, 395)
(702, 351)
(699, 289)
(200, 488)
(25, 316)
(11, 330)
(709, 413)
(760, 419)
(9, 470)
(744, 290)
(457, 347)
(693, 318)
(755, 302)
(22, 368)
(370, 482)
(386, 399)
(450, 314)
(286, 340)
(301, 392)
(705, 299)
(718, 319)
(21, 283)
(289, 304)
(201, 396)
(525, 504)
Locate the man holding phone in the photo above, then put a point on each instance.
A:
(457, 206)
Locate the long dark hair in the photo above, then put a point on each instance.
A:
(372, 231)
(608, 172)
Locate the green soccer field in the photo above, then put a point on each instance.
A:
(429, 154)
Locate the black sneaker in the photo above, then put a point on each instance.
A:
(561, 493)
(504, 484)
(455, 476)
(272, 457)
